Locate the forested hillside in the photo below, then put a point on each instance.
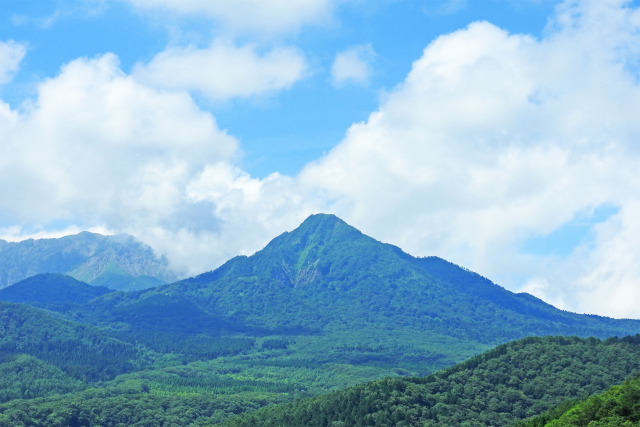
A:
(617, 407)
(512, 382)
(81, 351)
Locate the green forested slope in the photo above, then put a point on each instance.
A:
(81, 351)
(512, 382)
(24, 377)
(617, 407)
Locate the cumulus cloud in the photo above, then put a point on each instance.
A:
(263, 16)
(98, 147)
(11, 54)
(352, 65)
(223, 71)
(494, 138)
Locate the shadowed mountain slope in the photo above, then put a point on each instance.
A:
(52, 291)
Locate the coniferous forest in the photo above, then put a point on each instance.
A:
(324, 326)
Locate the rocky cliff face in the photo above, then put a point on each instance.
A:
(117, 262)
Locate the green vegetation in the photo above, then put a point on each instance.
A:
(25, 377)
(81, 351)
(617, 407)
(319, 309)
(512, 382)
(55, 292)
(127, 407)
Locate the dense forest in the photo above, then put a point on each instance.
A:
(617, 407)
(319, 310)
(512, 382)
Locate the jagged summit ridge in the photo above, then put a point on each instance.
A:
(118, 262)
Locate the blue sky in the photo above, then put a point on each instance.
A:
(498, 134)
(279, 131)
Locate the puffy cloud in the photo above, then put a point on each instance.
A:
(352, 65)
(494, 138)
(265, 16)
(224, 71)
(11, 54)
(97, 147)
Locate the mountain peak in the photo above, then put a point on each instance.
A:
(319, 231)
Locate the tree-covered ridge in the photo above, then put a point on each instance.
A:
(81, 351)
(117, 262)
(25, 377)
(617, 407)
(56, 292)
(128, 407)
(512, 382)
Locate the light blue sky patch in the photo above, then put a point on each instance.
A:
(578, 232)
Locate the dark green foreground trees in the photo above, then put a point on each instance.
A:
(512, 382)
(617, 407)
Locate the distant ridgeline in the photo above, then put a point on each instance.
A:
(116, 262)
(320, 308)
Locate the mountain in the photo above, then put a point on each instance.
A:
(510, 383)
(326, 275)
(116, 262)
(319, 309)
(52, 291)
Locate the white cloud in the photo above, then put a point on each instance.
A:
(264, 16)
(611, 282)
(353, 65)
(494, 138)
(11, 54)
(223, 70)
(97, 147)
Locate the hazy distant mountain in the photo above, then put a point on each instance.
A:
(116, 262)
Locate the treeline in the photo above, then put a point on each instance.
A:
(515, 381)
(188, 347)
(129, 408)
(617, 407)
